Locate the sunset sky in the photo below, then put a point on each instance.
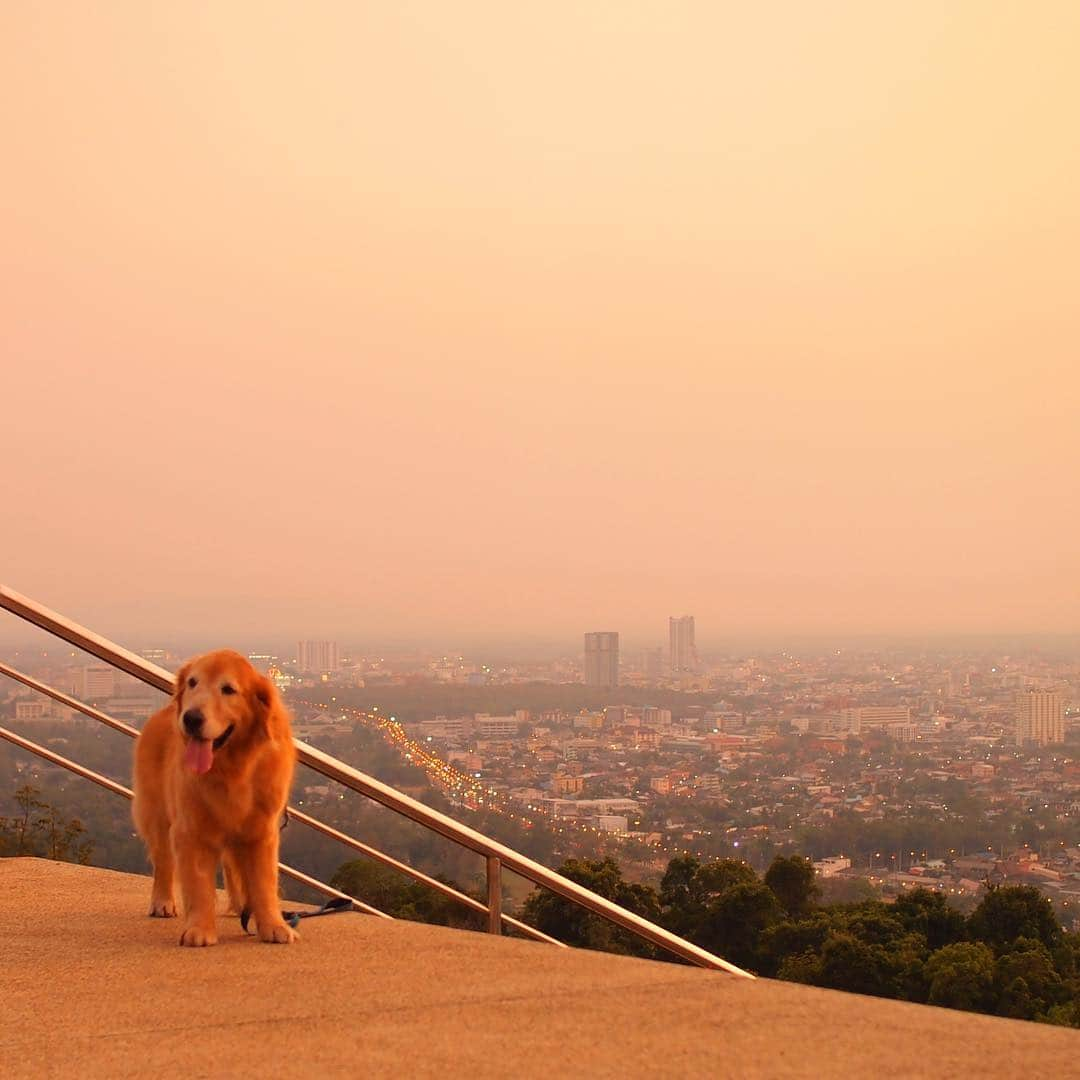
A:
(487, 319)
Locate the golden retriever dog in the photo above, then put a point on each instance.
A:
(212, 776)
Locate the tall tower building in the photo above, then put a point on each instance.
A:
(317, 656)
(683, 648)
(602, 659)
(1040, 717)
(652, 663)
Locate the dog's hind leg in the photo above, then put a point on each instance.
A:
(163, 894)
(234, 884)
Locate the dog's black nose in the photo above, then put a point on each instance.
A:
(193, 721)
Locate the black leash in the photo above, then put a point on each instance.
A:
(331, 907)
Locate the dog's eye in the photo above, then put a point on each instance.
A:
(227, 689)
(193, 682)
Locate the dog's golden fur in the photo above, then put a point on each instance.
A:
(227, 814)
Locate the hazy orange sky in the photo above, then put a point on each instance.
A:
(531, 319)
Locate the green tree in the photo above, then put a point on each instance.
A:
(39, 828)
(1067, 1015)
(848, 963)
(373, 883)
(961, 976)
(688, 887)
(682, 895)
(1017, 1001)
(20, 831)
(1009, 912)
(792, 881)
(571, 923)
(928, 913)
(735, 921)
(793, 939)
(404, 898)
(801, 968)
(873, 923)
(1027, 981)
(64, 839)
(721, 874)
(841, 890)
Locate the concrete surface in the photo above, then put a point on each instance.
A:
(91, 987)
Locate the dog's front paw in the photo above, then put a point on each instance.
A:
(278, 933)
(197, 936)
(162, 909)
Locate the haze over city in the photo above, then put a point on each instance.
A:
(583, 494)
(470, 320)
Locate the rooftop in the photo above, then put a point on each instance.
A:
(93, 987)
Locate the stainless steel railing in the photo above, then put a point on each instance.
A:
(294, 814)
(496, 855)
(127, 793)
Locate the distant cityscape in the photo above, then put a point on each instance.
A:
(860, 759)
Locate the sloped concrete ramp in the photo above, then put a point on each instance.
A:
(91, 987)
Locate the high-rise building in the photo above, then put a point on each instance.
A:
(683, 648)
(319, 657)
(602, 659)
(652, 663)
(1040, 717)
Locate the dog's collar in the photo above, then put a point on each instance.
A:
(223, 738)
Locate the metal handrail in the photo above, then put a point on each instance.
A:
(113, 654)
(419, 875)
(119, 789)
(294, 813)
(498, 855)
(66, 699)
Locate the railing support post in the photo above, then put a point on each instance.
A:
(494, 894)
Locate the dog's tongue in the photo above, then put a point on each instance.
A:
(199, 755)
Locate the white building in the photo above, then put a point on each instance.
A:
(318, 657)
(1040, 717)
(496, 727)
(443, 727)
(613, 823)
(591, 807)
(824, 724)
(832, 865)
(865, 717)
(99, 683)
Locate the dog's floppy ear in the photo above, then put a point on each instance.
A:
(181, 678)
(264, 700)
(265, 691)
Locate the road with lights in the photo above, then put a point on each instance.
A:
(468, 790)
